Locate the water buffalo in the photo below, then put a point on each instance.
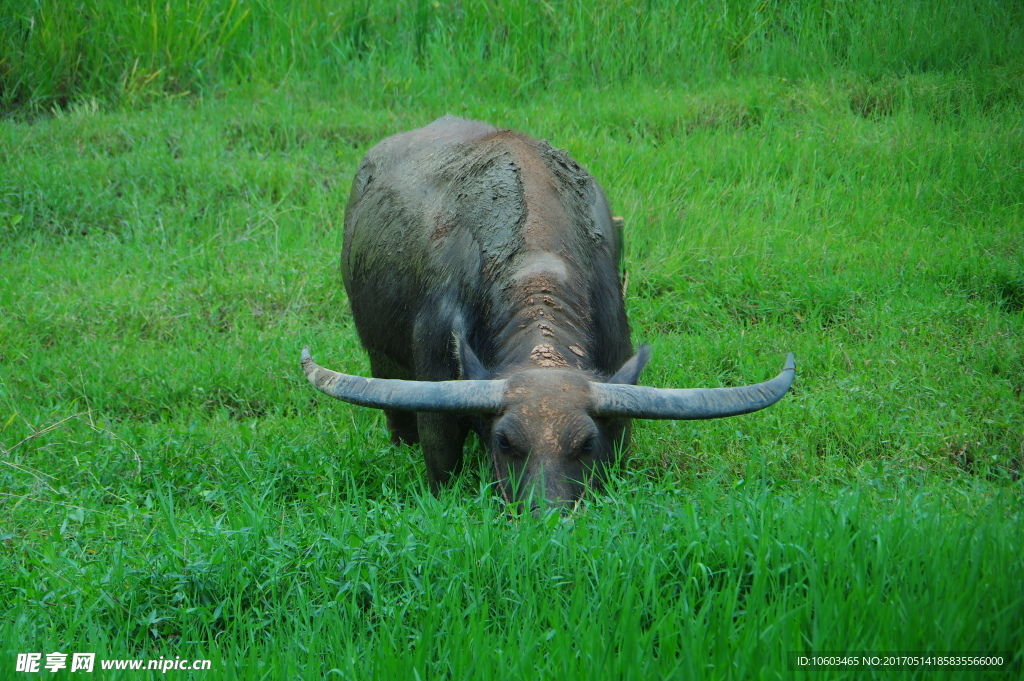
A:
(482, 267)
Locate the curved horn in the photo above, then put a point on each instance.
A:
(459, 397)
(634, 401)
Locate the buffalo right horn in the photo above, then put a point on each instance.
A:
(454, 397)
(641, 402)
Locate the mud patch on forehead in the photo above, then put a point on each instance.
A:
(546, 356)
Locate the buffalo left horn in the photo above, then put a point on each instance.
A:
(641, 402)
(456, 397)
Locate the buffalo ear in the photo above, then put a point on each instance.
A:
(470, 366)
(630, 371)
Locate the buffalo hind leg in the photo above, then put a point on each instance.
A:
(442, 436)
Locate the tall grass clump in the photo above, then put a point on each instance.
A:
(52, 51)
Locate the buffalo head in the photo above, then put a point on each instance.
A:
(550, 431)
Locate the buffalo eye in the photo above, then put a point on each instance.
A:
(503, 442)
(588, 445)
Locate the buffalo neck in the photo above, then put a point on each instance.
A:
(545, 293)
(545, 324)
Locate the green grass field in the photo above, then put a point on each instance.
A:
(843, 181)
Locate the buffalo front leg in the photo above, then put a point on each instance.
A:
(434, 356)
(442, 437)
(402, 425)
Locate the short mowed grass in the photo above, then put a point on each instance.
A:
(171, 486)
